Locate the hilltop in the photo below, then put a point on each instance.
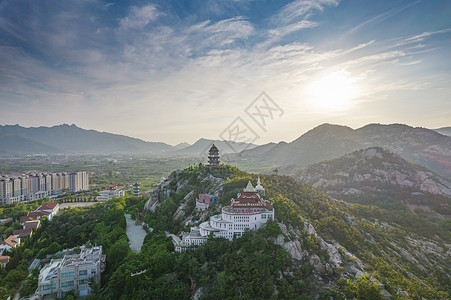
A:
(378, 176)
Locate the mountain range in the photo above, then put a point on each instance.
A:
(421, 146)
(15, 139)
(425, 147)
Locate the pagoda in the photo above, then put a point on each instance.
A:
(213, 156)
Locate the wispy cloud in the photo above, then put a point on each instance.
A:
(140, 16)
(380, 17)
(299, 9)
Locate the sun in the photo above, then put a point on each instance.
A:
(333, 92)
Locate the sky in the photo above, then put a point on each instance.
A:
(260, 71)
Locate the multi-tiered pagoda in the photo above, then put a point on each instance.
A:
(213, 156)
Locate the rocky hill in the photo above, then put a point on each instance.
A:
(336, 249)
(422, 146)
(377, 176)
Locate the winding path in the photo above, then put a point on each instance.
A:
(135, 234)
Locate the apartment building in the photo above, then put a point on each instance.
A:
(37, 186)
(71, 273)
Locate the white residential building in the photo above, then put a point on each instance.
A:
(106, 195)
(71, 274)
(192, 239)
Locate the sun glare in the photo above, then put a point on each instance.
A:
(333, 91)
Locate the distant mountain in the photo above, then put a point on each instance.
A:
(70, 138)
(418, 145)
(444, 131)
(375, 175)
(12, 144)
(201, 147)
(181, 145)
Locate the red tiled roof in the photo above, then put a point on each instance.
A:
(22, 232)
(24, 219)
(10, 241)
(36, 214)
(49, 205)
(4, 259)
(32, 224)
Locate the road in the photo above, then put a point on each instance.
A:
(135, 234)
(76, 204)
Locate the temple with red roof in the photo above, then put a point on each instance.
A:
(248, 211)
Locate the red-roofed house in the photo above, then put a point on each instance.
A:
(51, 207)
(11, 242)
(34, 224)
(21, 233)
(36, 215)
(24, 219)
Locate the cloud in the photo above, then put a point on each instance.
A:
(139, 17)
(143, 71)
(420, 37)
(300, 8)
(381, 17)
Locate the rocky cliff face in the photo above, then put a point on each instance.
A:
(374, 173)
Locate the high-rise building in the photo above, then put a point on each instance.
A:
(78, 181)
(48, 182)
(6, 190)
(37, 186)
(24, 185)
(34, 178)
(16, 186)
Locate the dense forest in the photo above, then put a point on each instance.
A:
(257, 265)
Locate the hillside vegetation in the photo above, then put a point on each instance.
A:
(318, 247)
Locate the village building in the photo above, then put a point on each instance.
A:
(9, 243)
(112, 192)
(52, 208)
(190, 240)
(204, 201)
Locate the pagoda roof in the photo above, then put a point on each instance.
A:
(213, 148)
(249, 187)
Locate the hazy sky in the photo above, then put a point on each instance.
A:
(176, 71)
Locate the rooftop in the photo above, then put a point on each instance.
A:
(46, 206)
(87, 256)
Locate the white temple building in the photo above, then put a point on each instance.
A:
(249, 211)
